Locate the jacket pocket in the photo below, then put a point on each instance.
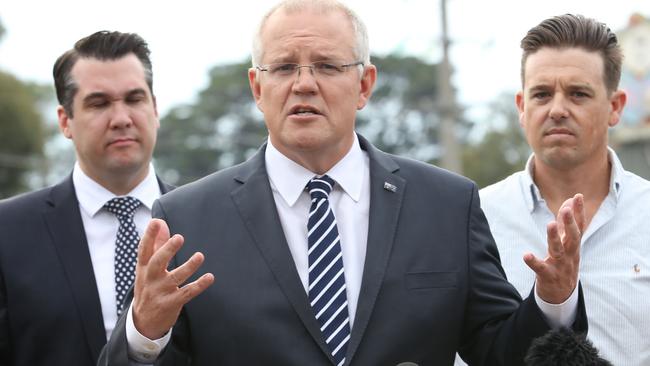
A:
(422, 280)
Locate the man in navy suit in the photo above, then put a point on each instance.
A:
(59, 300)
(415, 273)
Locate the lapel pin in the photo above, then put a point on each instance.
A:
(390, 187)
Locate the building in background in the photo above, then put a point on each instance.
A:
(631, 138)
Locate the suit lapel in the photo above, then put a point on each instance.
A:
(256, 206)
(386, 195)
(63, 220)
(164, 187)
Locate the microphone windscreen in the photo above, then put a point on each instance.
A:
(563, 347)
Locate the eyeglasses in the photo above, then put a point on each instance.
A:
(284, 70)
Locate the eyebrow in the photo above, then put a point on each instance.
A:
(570, 86)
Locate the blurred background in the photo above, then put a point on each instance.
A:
(448, 72)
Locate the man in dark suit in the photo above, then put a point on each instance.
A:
(380, 261)
(60, 292)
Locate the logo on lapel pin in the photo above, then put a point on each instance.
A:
(390, 187)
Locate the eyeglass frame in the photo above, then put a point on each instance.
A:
(311, 66)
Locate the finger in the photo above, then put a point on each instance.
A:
(184, 271)
(146, 245)
(536, 264)
(572, 238)
(193, 289)
(163, 235)
(579, 211)
(160, 259)
(555, 247)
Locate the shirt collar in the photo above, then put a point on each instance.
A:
(289, 178)
(534, 197)
(92, 196)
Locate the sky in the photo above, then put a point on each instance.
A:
(188, 38)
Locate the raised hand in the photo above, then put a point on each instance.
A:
(557, 274)
(160, 294)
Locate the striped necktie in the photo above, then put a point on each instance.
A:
(327, 290)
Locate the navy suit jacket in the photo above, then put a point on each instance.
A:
(50, 313)
(432, 282)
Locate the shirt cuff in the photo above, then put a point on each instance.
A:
(559, 315)
(141, 348)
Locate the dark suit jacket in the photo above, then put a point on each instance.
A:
(432, 282)
(50, 313)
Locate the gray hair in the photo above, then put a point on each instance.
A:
(361, 50)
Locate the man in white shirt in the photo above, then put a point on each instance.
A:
(324, 250)
(571, 67)
(60, 288)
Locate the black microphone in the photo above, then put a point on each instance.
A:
(563, 347)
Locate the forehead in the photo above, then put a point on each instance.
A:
(108, 76)
(548, 65)
(308, 32)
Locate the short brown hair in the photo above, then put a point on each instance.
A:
(568, 31)
(102, 45)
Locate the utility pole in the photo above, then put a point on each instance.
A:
(451, 159)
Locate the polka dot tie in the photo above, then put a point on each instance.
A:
(126, 245)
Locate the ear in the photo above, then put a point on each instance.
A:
(367, 82)
(519, 101)
(155, 111)
(254, 83)
(64, 122)
(616, 103)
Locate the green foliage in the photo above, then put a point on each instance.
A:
(21, 134)
(221, 129)
(502, 150)
(402, 117)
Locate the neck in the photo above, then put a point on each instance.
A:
(119, 183)
(558, 185)
(318, 160)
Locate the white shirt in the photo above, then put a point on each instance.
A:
(614, 259)
(101, 228)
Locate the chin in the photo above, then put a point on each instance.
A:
(128, 165)
(308, 140)
(561, 157)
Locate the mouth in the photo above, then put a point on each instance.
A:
(122, 141)
(558, 131)
(304, 110)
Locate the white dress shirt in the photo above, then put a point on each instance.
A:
(614, 258)
(101, 228)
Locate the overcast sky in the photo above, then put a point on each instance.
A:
(188, 37)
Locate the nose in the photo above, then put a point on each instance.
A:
(120, 115)
(305, 82)
(559, 110)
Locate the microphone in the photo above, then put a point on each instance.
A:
(563, 347)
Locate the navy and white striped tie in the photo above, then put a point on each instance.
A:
(327, 290)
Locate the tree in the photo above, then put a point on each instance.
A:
(21, 134)
(402, 116)
(502, 150)
(223, 127)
